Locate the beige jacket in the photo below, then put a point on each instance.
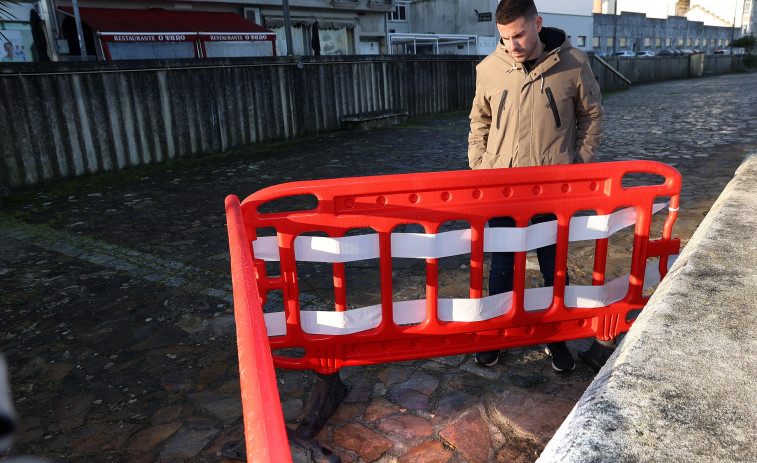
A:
(551, 116)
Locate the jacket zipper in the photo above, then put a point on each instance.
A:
(501, 107)
(552, 105)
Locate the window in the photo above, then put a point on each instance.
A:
(647, 42)
(668, 42)
(680, 41)
(623, 41)
(610, 42)
(720, 42)
(658, 42)
(696, 43)
(595, 42)
(688, 41)
(399, 13)
(727, 42)
(712, 43)
(581, 40)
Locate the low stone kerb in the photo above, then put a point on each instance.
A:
(679, 387)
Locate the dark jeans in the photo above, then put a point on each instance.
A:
(503, 263)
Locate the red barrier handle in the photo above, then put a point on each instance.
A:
(264, 427)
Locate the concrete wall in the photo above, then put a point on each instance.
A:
(652, 69)
(62, 120)
(656, 68)
(680, 387)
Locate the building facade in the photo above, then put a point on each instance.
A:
(455, 27)
(168, 29)
(346, 27)
(635, 32)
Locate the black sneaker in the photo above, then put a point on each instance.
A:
(562, 360)
(487, 359)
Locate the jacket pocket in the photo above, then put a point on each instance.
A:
(496, 161)
(501, 107)
(553, 106)
(558, 158)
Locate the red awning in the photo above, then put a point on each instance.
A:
(114, 24)
(207, 23)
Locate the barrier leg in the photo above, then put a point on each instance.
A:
(325, 397)
(596, 355)
(307, 450)
(303, 449)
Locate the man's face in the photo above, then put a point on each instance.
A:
(521, 38)
(8, 48)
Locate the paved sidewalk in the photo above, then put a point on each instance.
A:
(116, 308)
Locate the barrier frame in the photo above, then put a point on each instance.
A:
(430, 199)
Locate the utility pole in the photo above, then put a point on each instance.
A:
(287, 29)
(79, 32)
(615, 26)
(733, 28)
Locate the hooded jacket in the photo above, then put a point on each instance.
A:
(552, 115)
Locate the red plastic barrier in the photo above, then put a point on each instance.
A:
(431, 199)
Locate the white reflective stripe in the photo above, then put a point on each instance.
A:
(597, 227)
(431, 246)
(266, 248)
(340, 323)
(460, 310)
(445, 244)
(508, 239)
(275, 323)
(331, 250)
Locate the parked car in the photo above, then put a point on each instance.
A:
(623, 54)
(599, 53)
(721, 52)
(644, 53)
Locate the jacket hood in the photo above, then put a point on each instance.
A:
(554, 40)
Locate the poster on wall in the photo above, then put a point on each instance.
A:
(334, 42)
(13, 47)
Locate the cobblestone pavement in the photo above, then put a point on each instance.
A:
(116, 297)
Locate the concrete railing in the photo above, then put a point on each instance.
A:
(680, 387)
(62, 120)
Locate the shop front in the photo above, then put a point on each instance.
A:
(157, 33)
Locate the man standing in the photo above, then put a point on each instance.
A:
(537, 103)
(10, 55)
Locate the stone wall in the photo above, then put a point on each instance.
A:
(680, 385)
(69, 119)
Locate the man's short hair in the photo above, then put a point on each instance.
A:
(510, 10)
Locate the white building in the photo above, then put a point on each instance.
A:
(455, 27)
(574, 17)
(722, 13)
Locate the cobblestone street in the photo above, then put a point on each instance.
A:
(117, 318)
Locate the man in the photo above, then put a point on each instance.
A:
(537, 103)
(9, 54)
